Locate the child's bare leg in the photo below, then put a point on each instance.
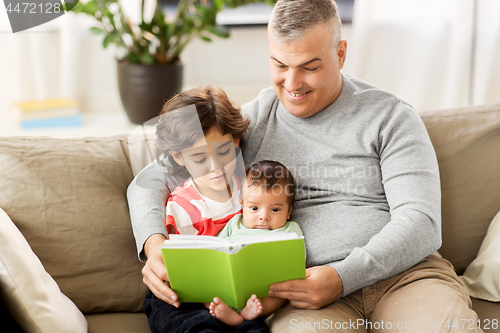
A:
(270, 304)
(252, 309)
(261, 307)
(224, 313)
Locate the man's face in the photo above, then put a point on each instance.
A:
(306, 74)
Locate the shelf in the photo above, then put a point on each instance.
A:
(95, 124)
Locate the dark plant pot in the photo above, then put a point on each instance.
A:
(144, 89)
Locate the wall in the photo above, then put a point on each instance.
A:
(30, 69)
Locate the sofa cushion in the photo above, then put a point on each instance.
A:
(29, 292)
(68, 199)
(488, 313)
(482, 277)
(467, 144)
(118, 322)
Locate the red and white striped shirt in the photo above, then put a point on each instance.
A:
(191, 213)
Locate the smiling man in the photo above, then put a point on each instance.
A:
(368, 191)
(306, 76)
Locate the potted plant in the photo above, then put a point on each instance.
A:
(149, 64)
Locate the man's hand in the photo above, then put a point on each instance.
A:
(154, 272)
(322, 286)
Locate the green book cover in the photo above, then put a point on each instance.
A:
(203, 267)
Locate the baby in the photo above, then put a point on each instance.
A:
(268, 196)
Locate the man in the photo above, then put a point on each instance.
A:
(368, 198)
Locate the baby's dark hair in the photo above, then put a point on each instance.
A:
(179, 128)
(274, 177)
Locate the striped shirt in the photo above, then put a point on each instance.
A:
(191, 213)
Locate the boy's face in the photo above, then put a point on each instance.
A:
(265, 209)
(211, 163)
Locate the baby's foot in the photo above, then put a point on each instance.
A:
(253, 309)
(224, 313)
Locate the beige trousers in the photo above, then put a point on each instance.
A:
(428, 297)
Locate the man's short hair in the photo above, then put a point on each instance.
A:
(292, 19)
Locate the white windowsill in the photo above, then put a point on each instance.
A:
(94, 124)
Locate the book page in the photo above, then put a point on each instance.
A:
(266, 238)
(219, 244)
(195, 242)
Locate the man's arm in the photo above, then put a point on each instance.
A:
(154, 271)
(147, 197)
(410, 178)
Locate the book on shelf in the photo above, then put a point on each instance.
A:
(203, 267)
(47, 113)
(70, 121)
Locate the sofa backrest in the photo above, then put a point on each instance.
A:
(467, 144)
(68, 198)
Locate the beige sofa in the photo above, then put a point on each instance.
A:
(67, 198)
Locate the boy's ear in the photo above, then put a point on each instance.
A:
(237, 141)
(177, 157)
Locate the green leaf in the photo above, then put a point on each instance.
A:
(194, 18)
(147, 58)
(70, 4)
(146, 27)
(97, 30)
(89, 8)
(132, 57)
(220, 31)
(108, 39)
(218, 4)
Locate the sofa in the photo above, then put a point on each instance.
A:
(68, 261)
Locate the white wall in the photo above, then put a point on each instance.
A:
(239, 64)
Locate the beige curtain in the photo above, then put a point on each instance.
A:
(432, 53)
(58, 59)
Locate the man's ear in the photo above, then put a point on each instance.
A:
(342, 52)
(177, 157)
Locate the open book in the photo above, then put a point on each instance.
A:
(202, 267)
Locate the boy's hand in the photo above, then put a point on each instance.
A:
(322, 286)
(154, 271)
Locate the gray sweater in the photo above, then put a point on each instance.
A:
(368, 192)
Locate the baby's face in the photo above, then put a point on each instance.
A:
(264, 209)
